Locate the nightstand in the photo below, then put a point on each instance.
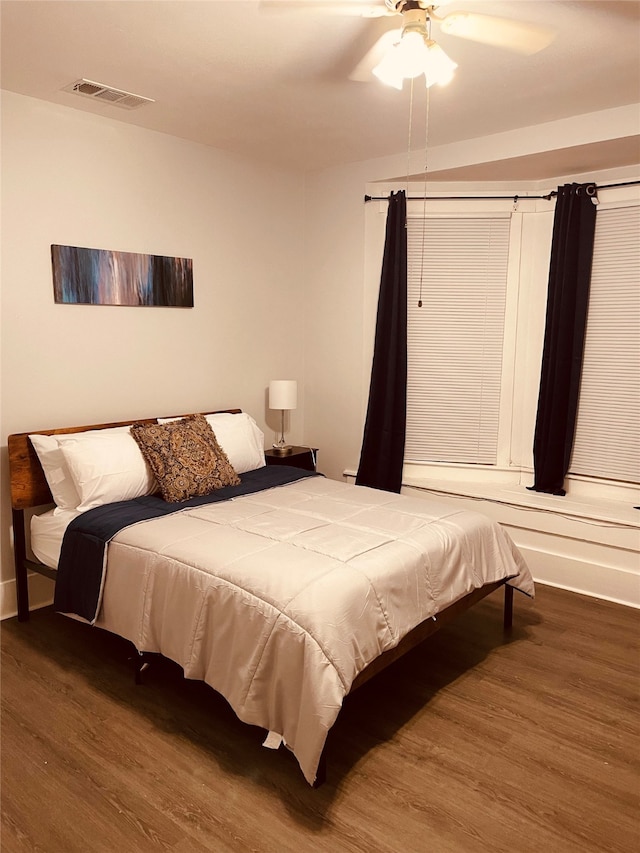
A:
(300, 457)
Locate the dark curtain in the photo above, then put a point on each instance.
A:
(382, 452)
(567, 302)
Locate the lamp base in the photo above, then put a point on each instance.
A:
(282, 449)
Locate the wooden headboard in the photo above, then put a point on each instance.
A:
(28, 484)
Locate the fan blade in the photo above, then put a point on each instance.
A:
(362, 73)
(500, 32)
(352, 8)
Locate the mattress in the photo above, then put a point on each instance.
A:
(47, 532)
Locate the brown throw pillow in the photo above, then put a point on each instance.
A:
(185, 457)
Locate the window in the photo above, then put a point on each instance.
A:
(607, 441)
(457, 267)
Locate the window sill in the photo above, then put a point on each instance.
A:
(596, 509)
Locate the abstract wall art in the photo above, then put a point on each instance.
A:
(102, 277)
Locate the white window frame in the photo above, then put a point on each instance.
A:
(421, 228)
(525, 313)
(502, 470)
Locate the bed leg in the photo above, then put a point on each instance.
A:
(508, 607)
(20, 555)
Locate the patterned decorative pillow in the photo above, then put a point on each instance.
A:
(185, 457)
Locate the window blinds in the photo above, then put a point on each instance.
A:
(607, 440)
(458, 268)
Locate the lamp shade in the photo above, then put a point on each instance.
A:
(283, 394)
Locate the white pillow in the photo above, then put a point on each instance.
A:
(63, 490)
(241, 439)
(107, 466)
(56, 470)
(239, 436)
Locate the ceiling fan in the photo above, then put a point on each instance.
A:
(411, 50)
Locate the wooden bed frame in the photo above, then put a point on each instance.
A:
(29, 489)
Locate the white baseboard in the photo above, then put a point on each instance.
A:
(605, 582)
(40, 595)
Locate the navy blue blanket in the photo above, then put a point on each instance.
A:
(80, 575)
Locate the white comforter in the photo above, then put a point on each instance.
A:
(279, 599)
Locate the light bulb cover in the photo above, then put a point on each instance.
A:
(388, 70)
(439, 67)
(409, 54)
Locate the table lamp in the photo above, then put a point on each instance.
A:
(283, 395)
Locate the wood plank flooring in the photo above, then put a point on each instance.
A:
(470, 744)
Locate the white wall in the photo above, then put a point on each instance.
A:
(73, 178)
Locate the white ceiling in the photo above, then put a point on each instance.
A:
(274, 85)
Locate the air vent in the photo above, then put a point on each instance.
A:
(100, 92)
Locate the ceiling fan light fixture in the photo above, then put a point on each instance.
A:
(413, 55)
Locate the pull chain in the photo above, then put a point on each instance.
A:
(424, 197)
(410, 129)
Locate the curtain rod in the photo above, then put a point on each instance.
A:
(514, 198)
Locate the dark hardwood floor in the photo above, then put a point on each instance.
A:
(471, 743)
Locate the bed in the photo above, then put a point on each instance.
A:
(281, 589)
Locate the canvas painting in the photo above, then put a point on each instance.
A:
(103, 277)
